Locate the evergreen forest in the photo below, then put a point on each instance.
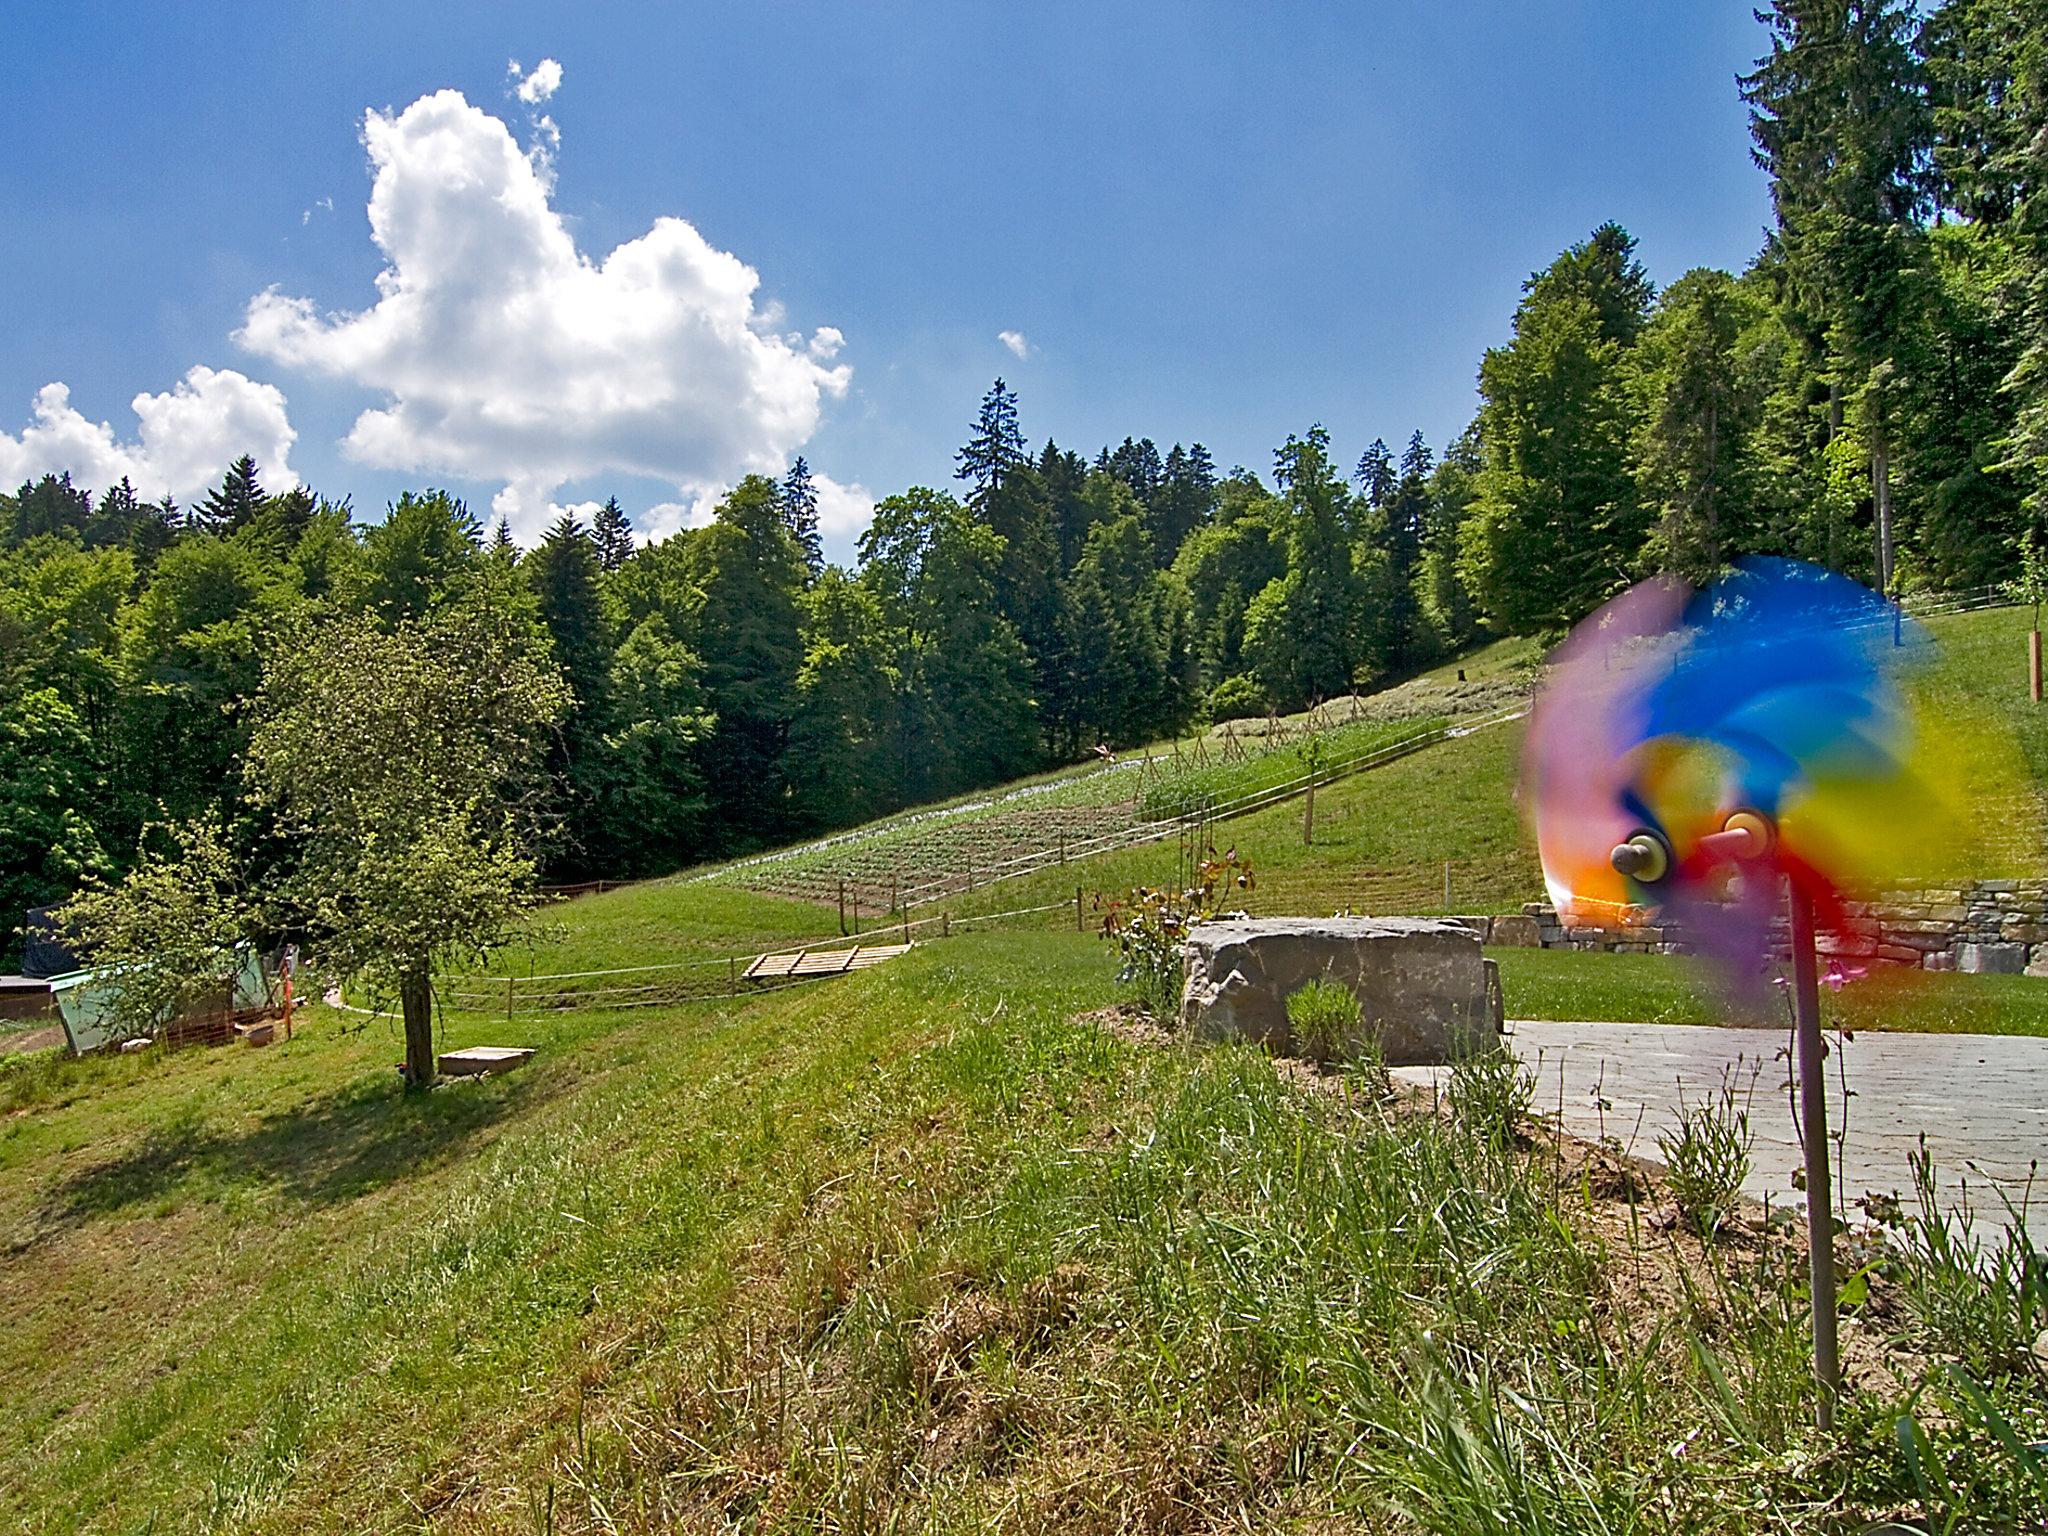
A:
(1870, 393)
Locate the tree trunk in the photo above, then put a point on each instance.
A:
(416, 998)
(1881, 495)
(1881, 473)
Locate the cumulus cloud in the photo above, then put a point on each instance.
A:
(538, 86)
(843, 510)
(187, 436)
(505, 354)
(1015, 341)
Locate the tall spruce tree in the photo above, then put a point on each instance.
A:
(1842, 123)
(1184, 501)
(233, 503)
(1302, 631)
(611, 535)
(1375, 475)
(997, 445)
(749, 630)
(800, 514)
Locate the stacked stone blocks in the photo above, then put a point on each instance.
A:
(1986, 927)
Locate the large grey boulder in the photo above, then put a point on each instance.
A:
(1422, 984)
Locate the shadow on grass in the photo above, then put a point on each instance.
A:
(349, 1143)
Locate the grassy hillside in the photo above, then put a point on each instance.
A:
(1382, 841)
(934, 1248)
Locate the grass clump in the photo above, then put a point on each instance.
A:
(1324, 1018)
(1706, 1156)
(1982, 1303)
(1490, 1094)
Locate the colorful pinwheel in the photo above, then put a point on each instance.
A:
(1693, 756)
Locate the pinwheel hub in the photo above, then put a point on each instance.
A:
(1745, 836)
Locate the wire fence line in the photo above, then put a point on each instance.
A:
(1142, 832)
(513, 997)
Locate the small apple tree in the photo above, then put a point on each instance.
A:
(392, 789)
(403, 767)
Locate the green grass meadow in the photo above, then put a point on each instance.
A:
(934, 1248)
(951, 1246)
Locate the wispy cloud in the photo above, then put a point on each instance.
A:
(1016, 342)
(535, 87)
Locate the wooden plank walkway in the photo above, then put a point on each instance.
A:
(806, 963)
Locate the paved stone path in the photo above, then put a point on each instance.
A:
(1980, 1100)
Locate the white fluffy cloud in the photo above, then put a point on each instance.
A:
(536, 87)
(507, 355)
(187, 437)
(843, 510)
(1015, 341)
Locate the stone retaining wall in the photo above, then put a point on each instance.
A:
(1987, 926)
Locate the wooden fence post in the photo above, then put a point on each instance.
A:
(905, 915)
(945, 925)
(842, 908)
(856, 909)
(508, 999)
(732, 976)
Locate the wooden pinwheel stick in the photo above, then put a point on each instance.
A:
(1746, 835)
(1813, 1115)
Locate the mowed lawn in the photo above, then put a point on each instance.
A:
(933, 1248)
(1574, 986)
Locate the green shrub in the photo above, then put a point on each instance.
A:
(1151, 941)
(1237, 698)
(1323, 1017)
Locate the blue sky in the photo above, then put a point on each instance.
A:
(1211, 222)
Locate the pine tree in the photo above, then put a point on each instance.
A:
(1302, 632)
(1698, 399)
(1184, 501)
(235, 502)
(563, 571)
(1841, 121)
(1375, 475)
(611, 534)
(749, 632)
(50, 505)
(502, 543)
(117, 516)
(800, 514)
(997, 445)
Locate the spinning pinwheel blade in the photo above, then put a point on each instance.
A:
(1694, 755)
